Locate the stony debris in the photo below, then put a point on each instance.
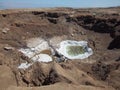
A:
(101, 70)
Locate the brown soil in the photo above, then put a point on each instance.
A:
(100, 27)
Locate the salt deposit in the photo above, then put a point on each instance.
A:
(33, 51)
(24, 65)
(39, 58)
(42, 58)
(76, 54)
(69, 49)
(35, 46)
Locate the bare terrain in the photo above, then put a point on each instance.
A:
(100, 27)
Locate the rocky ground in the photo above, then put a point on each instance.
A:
(100, 27)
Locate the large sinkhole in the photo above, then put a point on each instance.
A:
(37, 42)
(45, 51)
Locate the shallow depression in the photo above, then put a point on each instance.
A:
(69, 49)
(75, 49)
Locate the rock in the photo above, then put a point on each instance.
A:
(94, 14)
(72, 35)
(8, 48)
(83, 33)
(5, 30)
(115, 43)
(118, 59)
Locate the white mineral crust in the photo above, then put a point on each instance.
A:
(63, 50)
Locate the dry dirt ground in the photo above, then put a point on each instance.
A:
(100, 27)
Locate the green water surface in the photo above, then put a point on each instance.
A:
(75, 50)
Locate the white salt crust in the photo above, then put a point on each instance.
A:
(62, 50)
(34, 47)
